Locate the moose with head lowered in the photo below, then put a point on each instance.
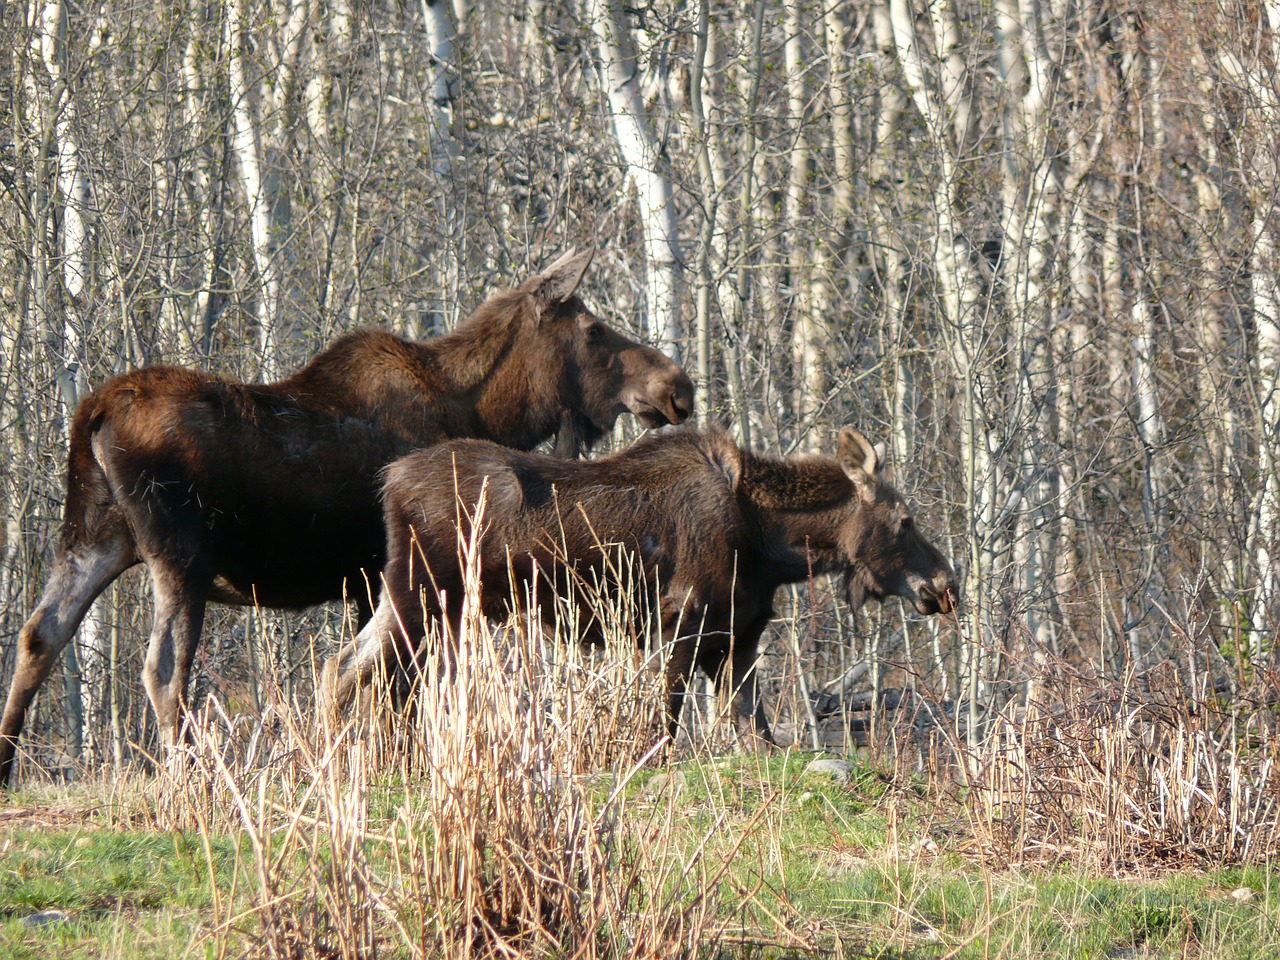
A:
(713, 530)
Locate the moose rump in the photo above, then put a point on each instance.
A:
(268, 493)
(713, 530)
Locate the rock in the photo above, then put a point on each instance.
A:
(44, 918)
(1243, 894)
(837, 769)
(662, 782)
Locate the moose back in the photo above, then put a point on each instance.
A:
(713, 531)
(268, 493)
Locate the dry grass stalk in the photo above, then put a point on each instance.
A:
(469, 825)
(1123, 784)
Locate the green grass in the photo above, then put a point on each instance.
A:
(125, 893)
(853, 869)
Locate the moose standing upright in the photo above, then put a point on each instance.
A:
(268, 493)
(713, 530)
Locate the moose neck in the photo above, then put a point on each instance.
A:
(798, 506)
(508, 375)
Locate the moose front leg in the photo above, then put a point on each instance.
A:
(748, 711)
(679, 668)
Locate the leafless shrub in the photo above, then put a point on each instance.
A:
(470, 823)
(1122, 780)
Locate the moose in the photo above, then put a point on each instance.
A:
(712, 529)
(268, 494)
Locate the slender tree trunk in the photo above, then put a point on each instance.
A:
(960, 291)
(620, 71)
(1151, 431)
(441, 41)
(808, 378)
(709, 199)
(888, 256)
(65, 327)
(1031, 201)
(754, 30)
(247, 146)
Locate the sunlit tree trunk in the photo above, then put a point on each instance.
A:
(246, 144)
(620, 71)
(441, 39)
(59, 311)
(888, 254)
(830, 273)
(1151, 431)
(1030, 193)
(948, 116)
(709, 200)
(808, 377)
(1251, 70)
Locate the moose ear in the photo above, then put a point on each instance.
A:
(558, 282)
(860, 460)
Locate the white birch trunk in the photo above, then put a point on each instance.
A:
(247, 147)
(1267, 544)
(1031, 194)
(960, 290)
(76, 242)
(832, 254)
(1151, 430)
(1220, 458)
(1254, 74)
(809, 380)
(889, 255)
(208, 213)
(65, 334)
(709, 198)
(1266, 300)
(440, 43)
(638, 145)
(444, 149)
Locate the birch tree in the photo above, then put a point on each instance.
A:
(441, 37)
(60, 309)
(247, 147)
(1030, 200)
(1248, 68)
(620, 71)
(943, 102)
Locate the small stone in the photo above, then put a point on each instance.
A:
(926, 846)
(805, 798)
(662, 782)
(1243, 894)
(44, 918)
(82, 842)
(838, 769)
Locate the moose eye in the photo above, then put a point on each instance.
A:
(594, 332)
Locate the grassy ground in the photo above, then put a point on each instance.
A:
(815, 866)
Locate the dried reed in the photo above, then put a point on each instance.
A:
(491, 818)
(1124, 781)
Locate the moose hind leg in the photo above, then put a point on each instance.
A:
(179, 597)
(80, 574)
(375, 646)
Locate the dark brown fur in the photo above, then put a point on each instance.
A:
(716, 529)
(269, 493)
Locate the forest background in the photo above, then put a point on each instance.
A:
(1031, 244)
